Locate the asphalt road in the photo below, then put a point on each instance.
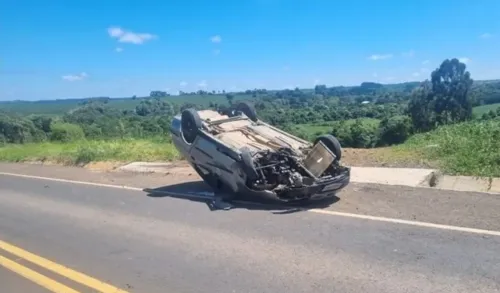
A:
(141, 243)
(13, 283)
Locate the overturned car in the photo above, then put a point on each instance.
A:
(239, 155)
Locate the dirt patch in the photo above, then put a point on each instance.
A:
(172, 168)
(103, 166)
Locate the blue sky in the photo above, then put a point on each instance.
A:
(71, 49)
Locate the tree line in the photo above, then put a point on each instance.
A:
(401, 109)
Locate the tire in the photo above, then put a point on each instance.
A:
(190, 124)
(332, 144)
(248, 165)
(247, 109)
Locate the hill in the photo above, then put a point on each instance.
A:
(485, 92)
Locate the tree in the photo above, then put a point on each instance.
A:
(451, 85)
(158, 94)
(445, 99)
(419, 109)
(230, 98)
(154, 106)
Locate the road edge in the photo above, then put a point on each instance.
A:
(412, 177)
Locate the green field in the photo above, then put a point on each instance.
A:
(82, 152)
(480, 110)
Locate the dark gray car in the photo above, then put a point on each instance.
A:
(239, 155)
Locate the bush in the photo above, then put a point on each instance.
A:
(395, 130)
(364, 135)
(360, 134)
(66, 132)
(342, 131)
(15, 129)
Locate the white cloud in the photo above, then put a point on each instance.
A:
(118, 50)
(425, 62)
(183, 84)
(124, 36)
(410, 53)
(376, 57)
(202, 83)
(216, 39)
(486, 36)
(115, 32)
(75, 77)
(464, 60)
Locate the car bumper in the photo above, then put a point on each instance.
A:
(320, 189)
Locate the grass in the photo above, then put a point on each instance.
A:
(470, 148)
(82, 152)
(480, 110)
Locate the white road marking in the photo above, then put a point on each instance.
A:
(407, 222)
(71, 181)
(318, 211)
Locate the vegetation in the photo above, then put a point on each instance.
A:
(469, 148)
(85, 151)
(480, 110)
(443, 100)
(411, 115)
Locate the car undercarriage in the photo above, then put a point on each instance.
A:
(269, 160)
(283, 170)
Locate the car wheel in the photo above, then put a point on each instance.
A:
(247, 109)
(332, 143)
(190, 124)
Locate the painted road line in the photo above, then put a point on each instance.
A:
(318, 211)
(35, 277)
(408, 222)
(61, 270)
(71, 181)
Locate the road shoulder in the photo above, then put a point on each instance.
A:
(464, 209)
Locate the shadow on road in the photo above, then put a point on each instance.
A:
(198, 191)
